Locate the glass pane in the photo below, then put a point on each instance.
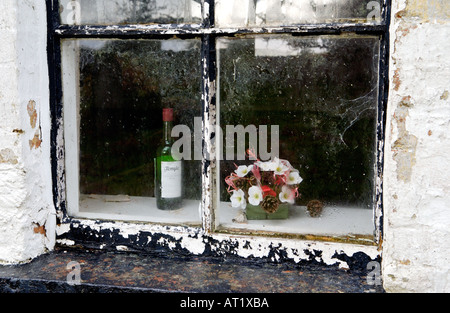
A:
(123, 87)
(313, 102)
(240, 13)
(108, 12)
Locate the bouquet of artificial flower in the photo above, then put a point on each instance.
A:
(267, 184)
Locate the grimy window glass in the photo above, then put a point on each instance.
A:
(321, 93)
(111, 12)
(258, 87)
(123, 85)
(238, 13)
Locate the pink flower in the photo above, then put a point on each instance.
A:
(256, 172)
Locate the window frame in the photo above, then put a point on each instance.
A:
(208, 34)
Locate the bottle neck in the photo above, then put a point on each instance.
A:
(167, 129)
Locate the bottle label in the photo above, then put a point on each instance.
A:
(171, 179)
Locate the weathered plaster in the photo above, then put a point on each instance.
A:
(404, 147)
(416, 193)
(26, 218)
(424, 11)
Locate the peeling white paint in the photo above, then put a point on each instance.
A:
(194, 245)
(122, 248)
(62, 229)
(164, 242)
(65, 242)
(195, 242)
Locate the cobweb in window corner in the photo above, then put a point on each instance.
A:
(356, 109)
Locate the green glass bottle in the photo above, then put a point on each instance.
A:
(168, 170)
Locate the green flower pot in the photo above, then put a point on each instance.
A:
(255, 212)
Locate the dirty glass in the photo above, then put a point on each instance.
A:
(322, 93)
(123, 86)
(240, 13)
(110, 12)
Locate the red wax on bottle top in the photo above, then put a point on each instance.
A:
(167, 115)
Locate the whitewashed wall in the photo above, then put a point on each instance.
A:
(416, 248)
(27, 223)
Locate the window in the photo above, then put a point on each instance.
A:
(116, 124)
(251, 83)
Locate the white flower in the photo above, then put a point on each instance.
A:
(243, 170)
(287, 195)
(288, 164)
(265, 166)
(238, 199)
(255, 195)
(294, 178)
(279, 166)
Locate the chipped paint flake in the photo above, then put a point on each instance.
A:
(39, 229)
(36, 141)
(31, 109)
(8, 156)
(404, 147)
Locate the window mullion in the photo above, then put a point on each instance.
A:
(208, 13)
(208, 132)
